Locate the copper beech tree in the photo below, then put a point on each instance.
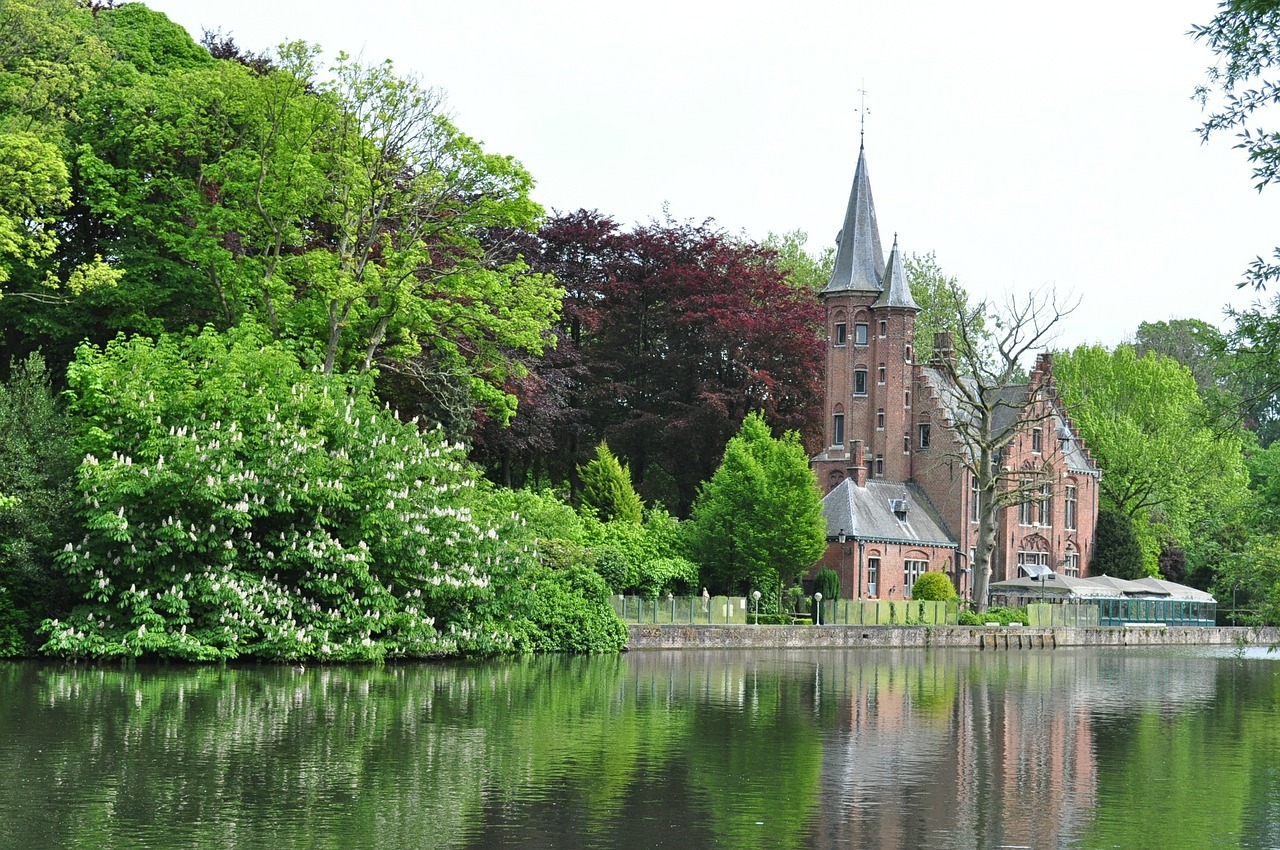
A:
(670, 334)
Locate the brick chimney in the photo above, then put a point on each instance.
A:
(858, 472)
(944, 350)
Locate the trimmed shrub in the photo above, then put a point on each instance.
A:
(827, 582)
(933, 587)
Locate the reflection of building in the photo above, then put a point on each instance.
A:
(935, 756)
(898, 501)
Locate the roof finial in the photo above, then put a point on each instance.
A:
(862, 129)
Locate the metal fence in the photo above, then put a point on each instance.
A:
(720, 610)
(682, 610)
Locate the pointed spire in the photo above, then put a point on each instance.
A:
(895, 292)
(859, 257)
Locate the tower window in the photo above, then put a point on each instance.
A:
(1037, 440)
(879, 466)
(880, 373)
(837, 429)
(924, 435)
(884, 329)
(880, 419)
(860, 333)
(906, 444)
(840, 334)
(859, 381)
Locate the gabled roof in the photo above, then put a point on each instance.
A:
(859, 257)
(1010, 401)
(896, 292)
(867, 513)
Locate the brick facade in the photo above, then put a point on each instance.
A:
(886, 420)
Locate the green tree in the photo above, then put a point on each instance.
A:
(944, 305)
(606, 488)
(1244, 35)
(933, 587)
(236, 503)
(827, 582)
(801, 268)
(1168, 468)
(37, 466)
(757, 523)
(332, 204)
(1116, 551)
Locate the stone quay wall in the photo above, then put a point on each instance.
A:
(978, 637)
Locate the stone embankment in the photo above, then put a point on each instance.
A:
(978, 637)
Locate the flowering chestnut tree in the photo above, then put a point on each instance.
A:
(236, 503)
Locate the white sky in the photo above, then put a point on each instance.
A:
(1025, 143)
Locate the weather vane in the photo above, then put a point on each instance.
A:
(862, 111)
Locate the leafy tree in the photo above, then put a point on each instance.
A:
(1116, 551)
(679, 331)
(943, 302)
(1254, 347)
(801, 268)
(1168, 468)
(235, 503)
(1195, 344)
(933, 587)
(827, 582)
(757, 523)
(1245, 38)
(606, 488)
(569, 612)
(37, 464)
(338, 205)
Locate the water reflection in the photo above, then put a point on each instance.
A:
(785, 749)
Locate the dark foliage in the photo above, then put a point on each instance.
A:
(1116, 551)
(670, 334)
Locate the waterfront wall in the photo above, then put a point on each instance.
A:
(984, 637)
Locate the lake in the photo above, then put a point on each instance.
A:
(681, 749)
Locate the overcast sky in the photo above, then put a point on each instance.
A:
(1024, 143)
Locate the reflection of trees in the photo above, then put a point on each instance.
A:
(1159, 762)
(783, 749)
(405, 756)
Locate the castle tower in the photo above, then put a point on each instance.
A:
(870, 322)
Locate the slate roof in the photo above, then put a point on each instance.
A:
(896, 292)
(859, 257)
(866, 513)
(1012, 399)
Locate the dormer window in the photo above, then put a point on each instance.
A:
(840, 334)
(860, 333)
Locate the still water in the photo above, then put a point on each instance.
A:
(742, 749)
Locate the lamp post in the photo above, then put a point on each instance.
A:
(817, 608)
(755, 594)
